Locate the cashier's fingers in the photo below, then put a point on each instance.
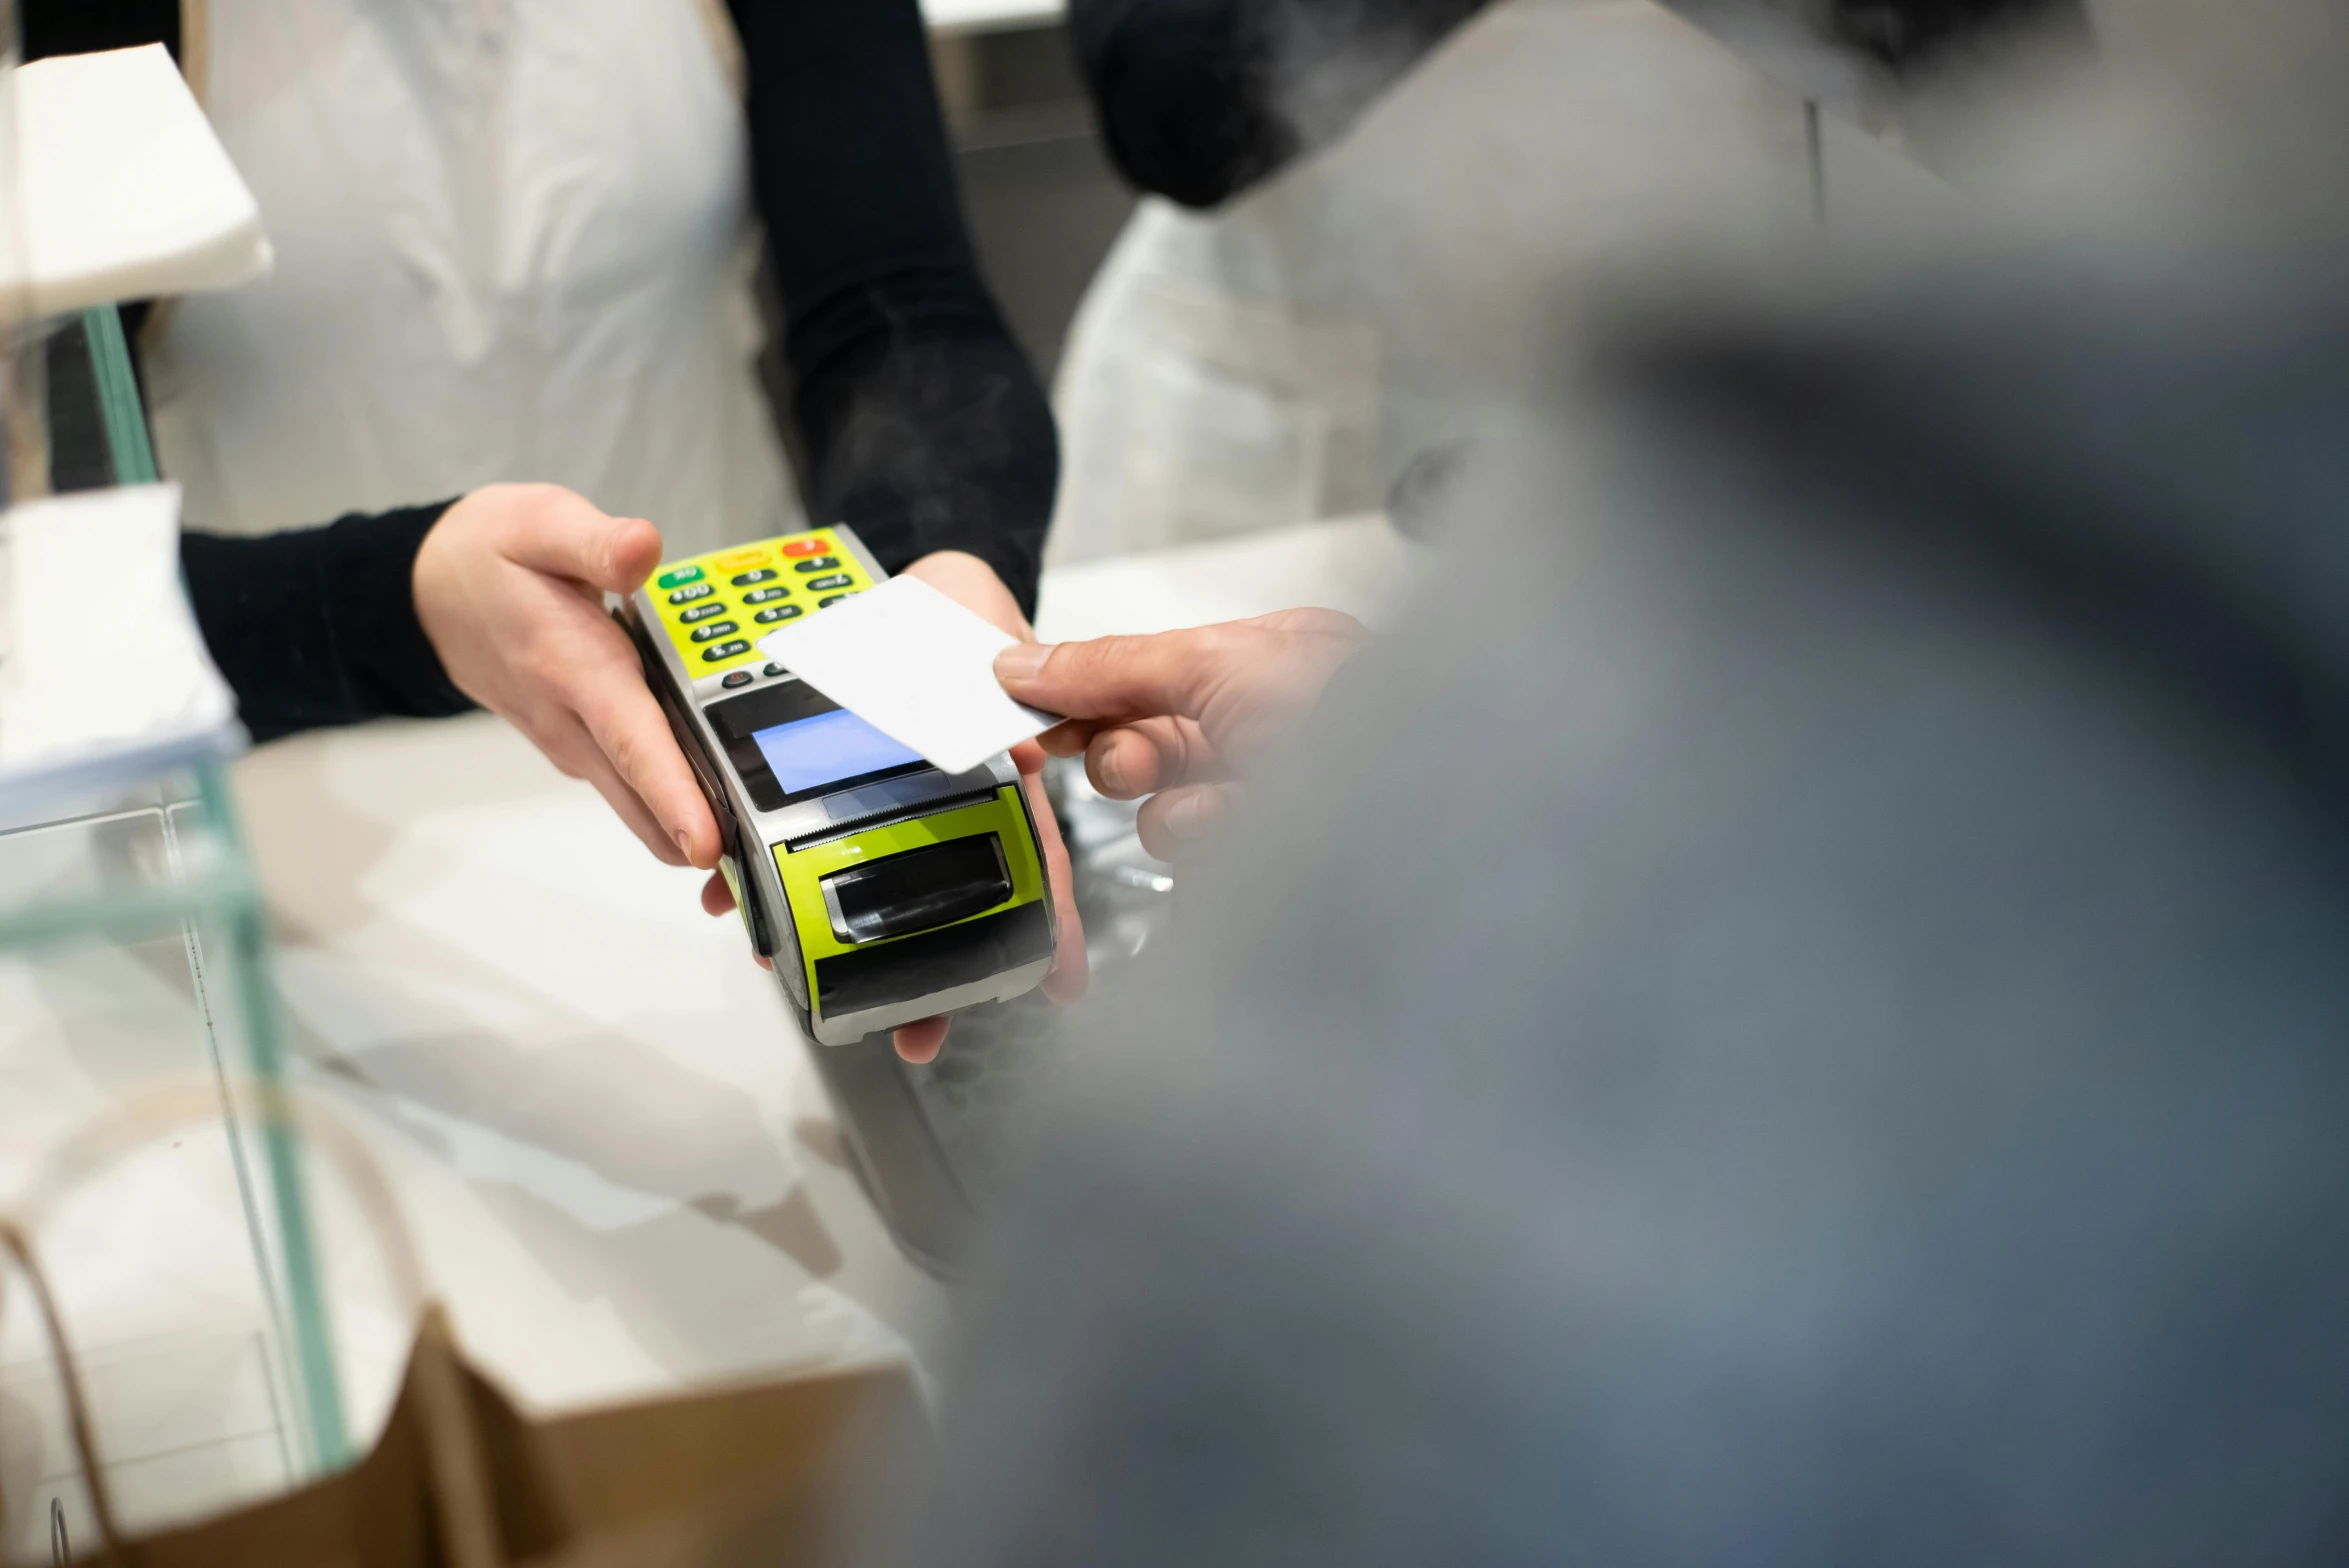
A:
(571, 749)
(1065, 982)
(921, 1040)
(716, 897)
(563, 534)
(1172, 822)
(627, 725)
(508, 587)
(972, 583)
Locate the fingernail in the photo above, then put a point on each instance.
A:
(685, 840)
(1021, 661)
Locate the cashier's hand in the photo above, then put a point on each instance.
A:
(509, 586)
(1173, 716)
(972, 583)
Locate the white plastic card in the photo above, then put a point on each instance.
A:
(914, 665)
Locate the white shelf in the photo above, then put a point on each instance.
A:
(125, 191)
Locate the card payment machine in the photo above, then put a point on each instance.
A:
(883, 890)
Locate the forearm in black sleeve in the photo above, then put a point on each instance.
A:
(1200, 99)
(923, 424)
(317, 626)
(1921, 35)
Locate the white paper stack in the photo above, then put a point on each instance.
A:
(123, 190)
(104, 677)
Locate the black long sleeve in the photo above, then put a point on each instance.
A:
(924, 426)
(88, 26)
(1200, 99)
(317, 626)
(1920, 35)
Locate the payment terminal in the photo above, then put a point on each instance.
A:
(882, 889)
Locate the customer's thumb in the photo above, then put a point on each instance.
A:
(1109, 677)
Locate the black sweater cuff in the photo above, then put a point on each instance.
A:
(1198, 100)
(317, 626)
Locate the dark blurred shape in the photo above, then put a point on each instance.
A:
(52, 27)
(1425, 491)
(1201, 99)
(1795, 1013)
(1043, 202)
(1908, 34)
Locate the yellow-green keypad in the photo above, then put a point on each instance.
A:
(715, 606)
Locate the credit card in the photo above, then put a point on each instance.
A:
(914, 665)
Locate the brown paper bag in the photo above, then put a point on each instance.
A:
(460, 1478)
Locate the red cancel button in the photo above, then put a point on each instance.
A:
(795, 548)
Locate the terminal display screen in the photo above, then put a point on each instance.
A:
(808, 754)
(789, 742)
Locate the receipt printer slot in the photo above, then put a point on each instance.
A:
(918, 889)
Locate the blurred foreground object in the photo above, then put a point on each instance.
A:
(1814, 1034)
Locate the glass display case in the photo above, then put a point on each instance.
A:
(134, 957)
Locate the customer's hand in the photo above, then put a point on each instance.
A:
(509, 586)
(1172, 716)
(972, 583)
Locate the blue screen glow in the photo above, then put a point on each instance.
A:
(808, 754)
